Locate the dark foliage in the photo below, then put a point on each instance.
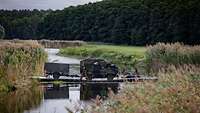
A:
(135, 22)
(21, 24)
(2, 32)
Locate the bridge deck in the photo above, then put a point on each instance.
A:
(102, 80)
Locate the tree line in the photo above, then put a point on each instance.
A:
(22, 24)
(132, 22)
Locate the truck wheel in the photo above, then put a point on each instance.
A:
(110, 77)
(56, 76)
(89, 77)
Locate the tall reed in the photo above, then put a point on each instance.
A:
(176, 91)
(19, 60)
(60, 43)
(161, 55)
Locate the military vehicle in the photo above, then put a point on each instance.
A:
(97, 68)
(56, 69)
(89, 68)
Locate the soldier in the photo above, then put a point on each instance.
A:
(96, 69)
(112, 71)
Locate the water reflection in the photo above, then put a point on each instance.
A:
(52, 98)
(55, 91)
(90, 91)
(87, 91)
(20, 100)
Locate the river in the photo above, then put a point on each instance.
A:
(53, 57)
(54, 98)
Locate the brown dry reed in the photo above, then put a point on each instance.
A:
(161, 55)
(176, 91)
(60, 43)
(19, 60)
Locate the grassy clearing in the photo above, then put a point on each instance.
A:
(176, 91)
(19, 60)
(121, 55)
(126, 50)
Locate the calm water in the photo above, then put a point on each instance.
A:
(54, 98)
(53, 57)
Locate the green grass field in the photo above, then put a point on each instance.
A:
(121, 55)
(126, 50)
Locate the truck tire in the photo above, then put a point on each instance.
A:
(89, 77)
(110, 77)
(56, 75)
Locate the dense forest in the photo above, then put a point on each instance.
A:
(21, 24)
(133, 22)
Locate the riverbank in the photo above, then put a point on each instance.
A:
(121, 55)
(51, 43)
(177, 89)
(18, 62)
(60, 43)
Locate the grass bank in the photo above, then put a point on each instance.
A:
(19, 60)
(121, 55)
(176, 91)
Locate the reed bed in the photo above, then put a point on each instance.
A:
(19, 60)
(161, 55)
(176, 91)
(60, 43)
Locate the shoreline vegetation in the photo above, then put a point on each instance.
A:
(19, 60)
(60, 43)
(148, 60)
(177, 89)
(52, 43)
(177, 67)
(128, 22)
(123, 56)
(161, 55)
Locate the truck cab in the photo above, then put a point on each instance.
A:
(97, 68)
